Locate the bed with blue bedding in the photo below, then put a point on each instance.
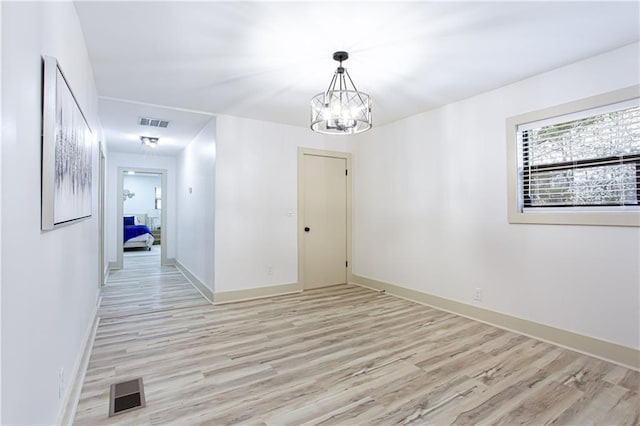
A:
(136, 233)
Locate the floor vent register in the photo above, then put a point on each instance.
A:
(126, 396)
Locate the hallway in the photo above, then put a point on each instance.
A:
(144, 286)
(143, 290)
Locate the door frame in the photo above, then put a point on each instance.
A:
(331, 154)
(102, 263)
(163, 212)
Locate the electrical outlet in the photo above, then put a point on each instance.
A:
(270, 270)
(60, 382)
(477, 294)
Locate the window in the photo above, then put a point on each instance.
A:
(578, 163)
(158, 198)
(586, 162)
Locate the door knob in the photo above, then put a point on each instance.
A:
(307, 229)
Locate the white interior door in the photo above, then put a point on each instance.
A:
(324, 221)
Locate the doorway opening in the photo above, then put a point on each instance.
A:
(142, 234)
(324, 218)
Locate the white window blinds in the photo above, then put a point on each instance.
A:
(587, 159)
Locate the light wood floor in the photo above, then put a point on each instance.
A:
(145, 286)
(341, 355)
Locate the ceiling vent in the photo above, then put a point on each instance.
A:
(153, 122)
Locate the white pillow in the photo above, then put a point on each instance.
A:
(137, 221)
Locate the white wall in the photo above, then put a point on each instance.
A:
(116, 160)
(144, 186)
(430, 213)
(49, 279)
(0, 215)
(256, 200)
(196, 218)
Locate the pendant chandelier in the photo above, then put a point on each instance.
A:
(341, 109)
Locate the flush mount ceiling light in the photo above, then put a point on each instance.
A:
(149, 141)
(341, 109)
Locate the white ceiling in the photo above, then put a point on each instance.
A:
(265, 60)
(122, 131)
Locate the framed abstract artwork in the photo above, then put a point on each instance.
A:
(66, 152)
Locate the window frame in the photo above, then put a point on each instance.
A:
(563, 216)
(158, 199)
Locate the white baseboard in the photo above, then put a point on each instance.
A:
(113, 265)
(197, 283)
(72, 394)
(608, 351)
(222, 297)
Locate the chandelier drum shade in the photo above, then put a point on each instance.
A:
(341, 109)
